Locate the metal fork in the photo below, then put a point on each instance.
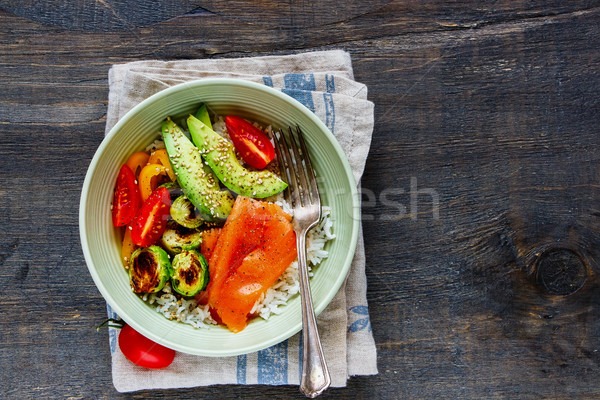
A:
(303, 195)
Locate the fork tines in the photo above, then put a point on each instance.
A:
(296, 168)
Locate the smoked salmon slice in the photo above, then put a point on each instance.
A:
(210, 238)
(255, 246)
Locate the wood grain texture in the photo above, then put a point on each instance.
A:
(490, 109)
(99, 15)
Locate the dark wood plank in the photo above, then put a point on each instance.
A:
(103, 15)
(499, 122)
(493, 108)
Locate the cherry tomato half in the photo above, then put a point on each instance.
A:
(253, 145)
(126, 200)
(142, 351)
(151, 220)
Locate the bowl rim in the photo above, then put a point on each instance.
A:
(286, 333)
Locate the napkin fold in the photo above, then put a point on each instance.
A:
(323, 81)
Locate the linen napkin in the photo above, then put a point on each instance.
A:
(323, 81)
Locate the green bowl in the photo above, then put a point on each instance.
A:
(136, 130)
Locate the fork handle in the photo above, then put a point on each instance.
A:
(315, 375)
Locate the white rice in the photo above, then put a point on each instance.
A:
(188, 311)
(156, 145)
(183, 310)
(220, 127)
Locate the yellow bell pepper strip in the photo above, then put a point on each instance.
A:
(128, 247)
(161, 157)
(151, 177)
(137, 161)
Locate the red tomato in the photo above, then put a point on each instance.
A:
(142, 351)
(127, 199)
(253, 145)
(151, 221)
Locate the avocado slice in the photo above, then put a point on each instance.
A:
(195, 178)
(202, 115)
(220, 156)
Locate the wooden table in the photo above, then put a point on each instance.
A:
(482, 187)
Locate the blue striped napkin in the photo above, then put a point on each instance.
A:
(324, 82)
